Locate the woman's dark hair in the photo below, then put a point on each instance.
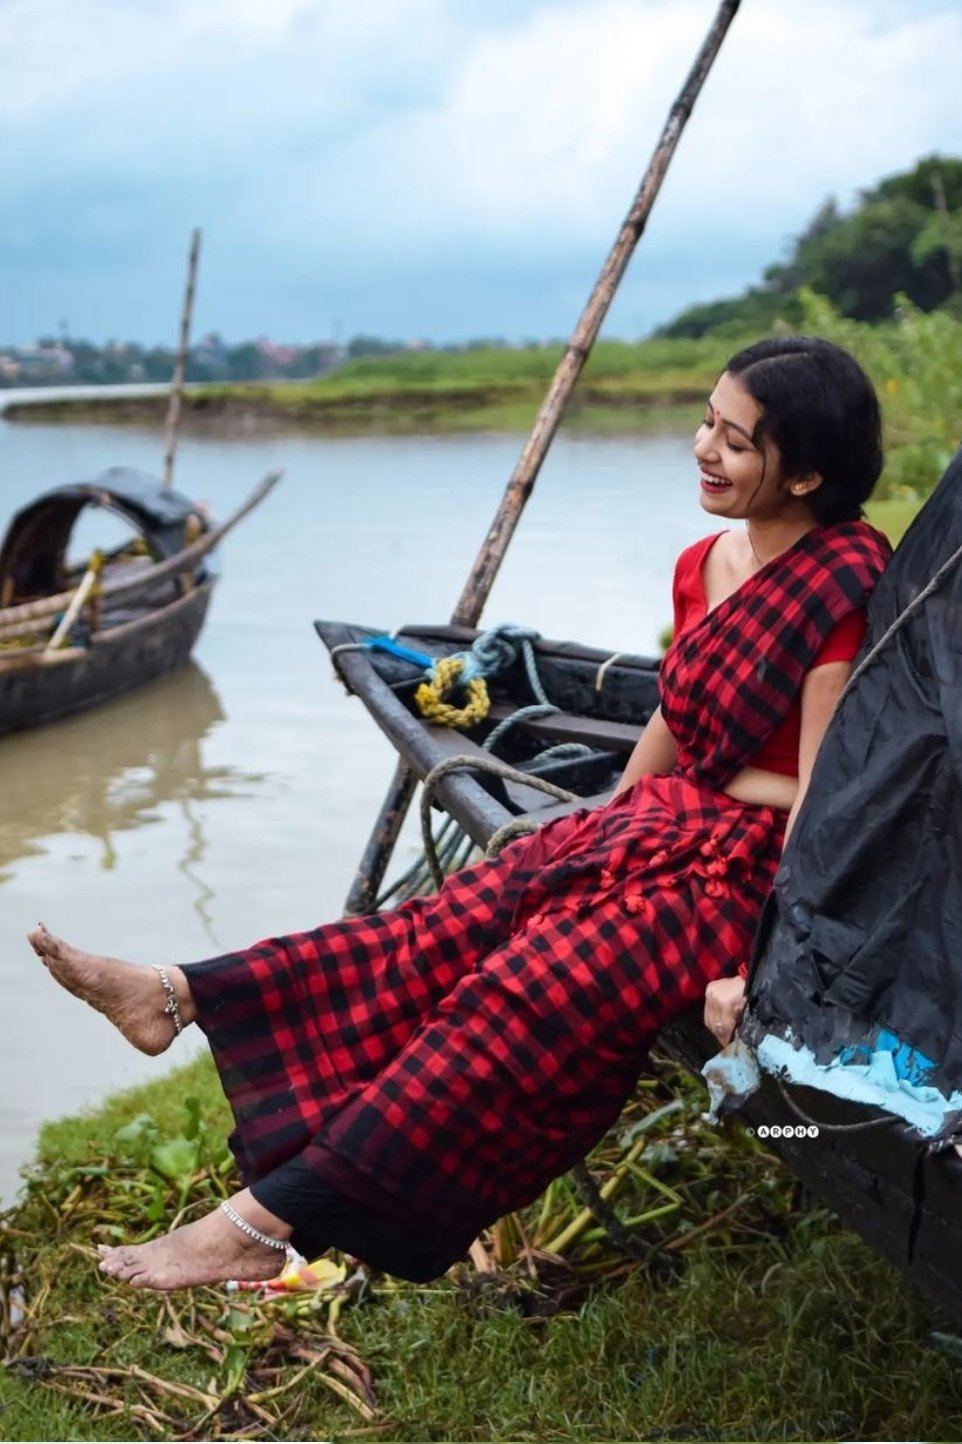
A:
(821, 411)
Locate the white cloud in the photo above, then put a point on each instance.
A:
(374, 138)
(541, 130)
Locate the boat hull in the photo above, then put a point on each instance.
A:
(126, 656)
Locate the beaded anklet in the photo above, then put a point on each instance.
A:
(251, 1231)
(171, 1007)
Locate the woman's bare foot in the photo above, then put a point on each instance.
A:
(206, 1252)
(132, 997)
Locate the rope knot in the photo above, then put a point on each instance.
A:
(447, 675)
(490, 654)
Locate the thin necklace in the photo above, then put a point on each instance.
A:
(748, 533)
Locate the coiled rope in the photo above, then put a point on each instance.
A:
(498, 768)
(489, 654)
(449, 847)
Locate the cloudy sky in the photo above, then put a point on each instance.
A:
(436, 168)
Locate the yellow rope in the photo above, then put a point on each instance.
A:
(430, 696)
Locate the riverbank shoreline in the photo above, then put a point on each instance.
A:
(246, 410)
(629, 387)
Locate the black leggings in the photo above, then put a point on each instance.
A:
(322, 1217)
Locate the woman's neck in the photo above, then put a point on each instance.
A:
(769, 537)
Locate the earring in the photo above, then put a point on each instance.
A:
(798, 490)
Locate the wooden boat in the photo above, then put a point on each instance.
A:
(72, 637)
(884, 1182)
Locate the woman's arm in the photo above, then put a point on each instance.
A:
(725, 998)
(654, 752)
(820, 692)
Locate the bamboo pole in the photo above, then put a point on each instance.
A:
(362, 896)
(177, 384)
(521, 483)
(475, 594)
(180, 561)
(87, 584)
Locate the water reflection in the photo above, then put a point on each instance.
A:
(110, 771)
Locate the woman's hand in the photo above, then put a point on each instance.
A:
(724, 1005)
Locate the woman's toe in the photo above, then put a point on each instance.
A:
(112, 1260)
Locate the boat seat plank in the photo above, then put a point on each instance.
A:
(567, 727)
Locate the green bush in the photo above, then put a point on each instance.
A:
(915, 364)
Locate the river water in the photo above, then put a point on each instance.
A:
(232, 800)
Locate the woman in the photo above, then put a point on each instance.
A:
(400, 1081)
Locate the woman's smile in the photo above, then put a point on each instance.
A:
(714, 485)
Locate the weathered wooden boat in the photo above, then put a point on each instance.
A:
(884, 1181)
(72, 637)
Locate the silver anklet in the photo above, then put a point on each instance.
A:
(250, 1230)
(171, 1007)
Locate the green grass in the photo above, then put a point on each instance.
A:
(893, 516)
(774, 1324)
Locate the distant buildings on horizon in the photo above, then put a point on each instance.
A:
(50, 363)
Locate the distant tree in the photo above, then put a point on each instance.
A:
(158, 363)
(904, 237)
(371, 346)
(789, 276)
(246, 362)
(867, 259)
(863, 260)
(755, 310)
(942, 233)
(311, 361)
(918, 184)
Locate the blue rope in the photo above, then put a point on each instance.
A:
(407, 654)
(489, 654)
(496, 649)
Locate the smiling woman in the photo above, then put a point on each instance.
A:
(401, 1080)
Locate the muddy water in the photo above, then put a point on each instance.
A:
(232, 800)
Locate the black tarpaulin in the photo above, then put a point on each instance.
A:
(862, 937)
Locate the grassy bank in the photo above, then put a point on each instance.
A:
(650, 386)
(656, 385)
(757, 1317)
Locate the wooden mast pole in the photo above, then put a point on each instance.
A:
(177, 384)
(377, 854)
(519, 488)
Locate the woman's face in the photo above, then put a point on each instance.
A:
(739, 477)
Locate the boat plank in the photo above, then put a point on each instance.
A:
(568, 727)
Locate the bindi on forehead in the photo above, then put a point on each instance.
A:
(727, 421)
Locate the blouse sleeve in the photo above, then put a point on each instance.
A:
(687, 593)
(844, 640)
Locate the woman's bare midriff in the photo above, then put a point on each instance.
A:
(763, 789)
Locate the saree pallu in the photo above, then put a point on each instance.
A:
(442, 1062)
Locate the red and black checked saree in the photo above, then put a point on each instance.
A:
(439, 1064)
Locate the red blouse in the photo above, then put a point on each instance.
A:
(779, 753)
